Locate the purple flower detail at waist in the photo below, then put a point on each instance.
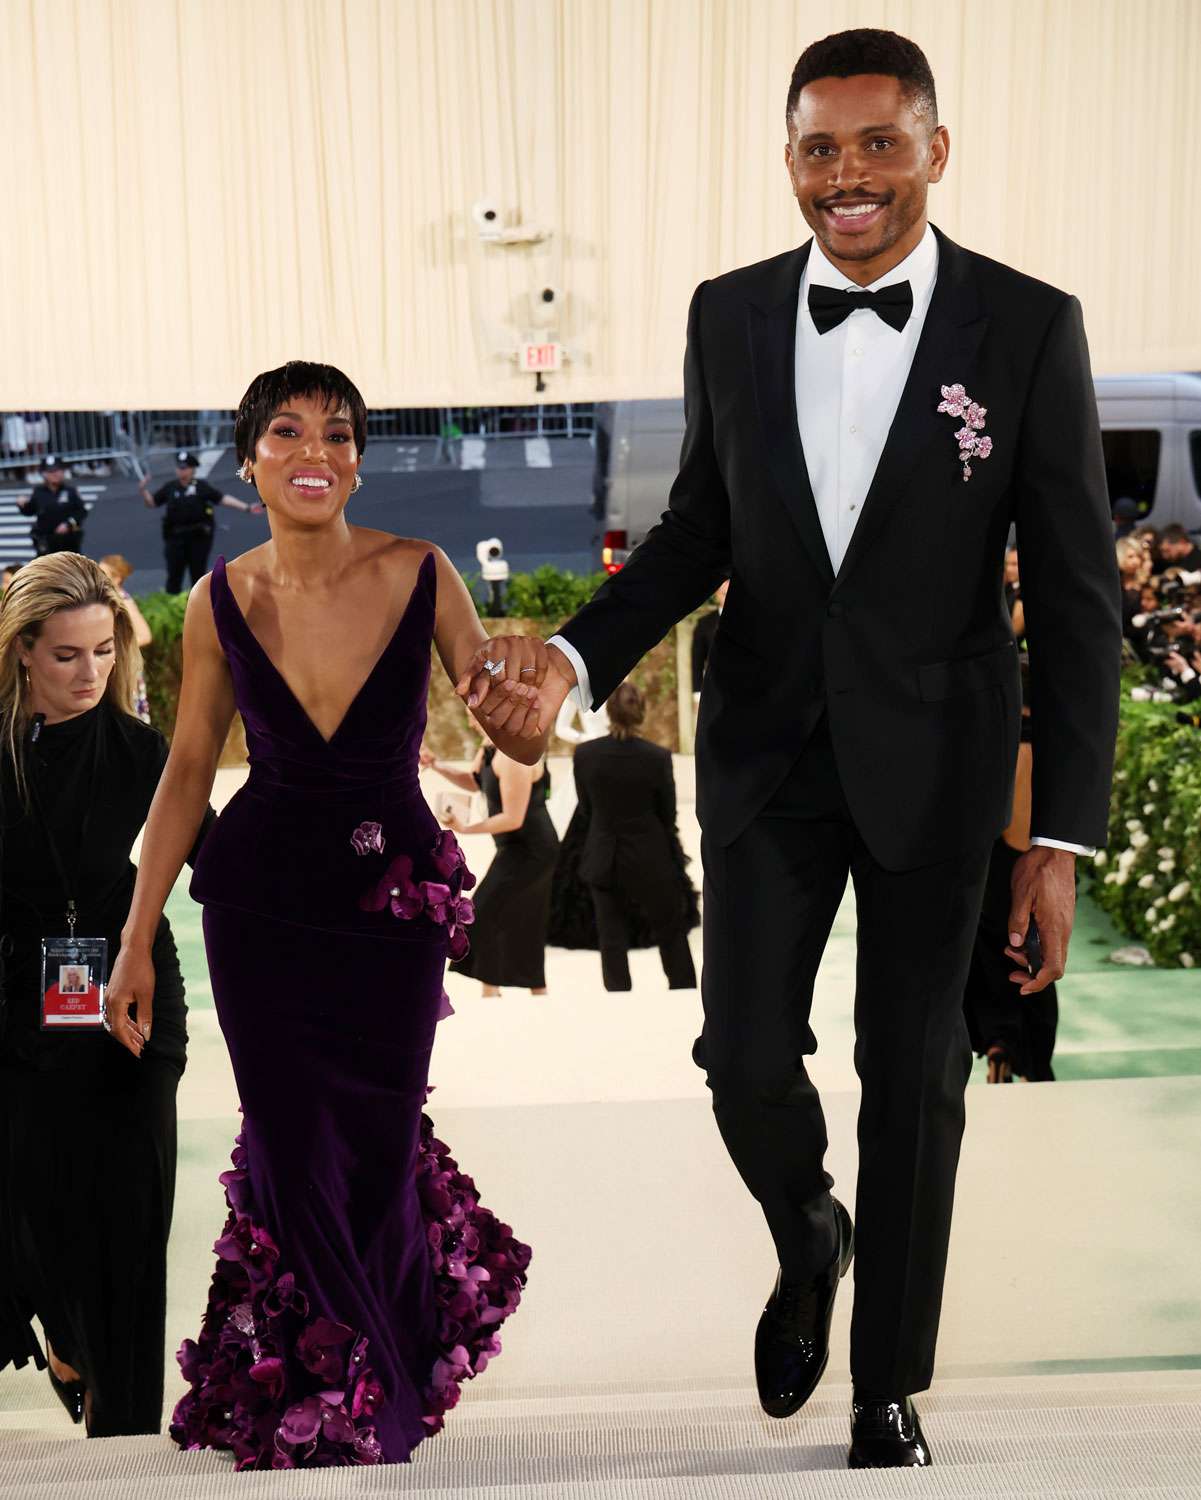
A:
(441, 901)
(368, 838)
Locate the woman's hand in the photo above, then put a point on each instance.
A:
(425, 760)
(506, 698)
(129, 999)
(451, 820)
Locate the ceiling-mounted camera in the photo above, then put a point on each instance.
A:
(485, 215)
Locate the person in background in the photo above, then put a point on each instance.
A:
(8, 571)
(57, 509)
(1126, 515)
(512, 904)
(1176, 549)
(87, 1129)
(117, 569)
(1015, 1033)
(627, 793)
(1013, 593)
(702, 639)
(188, 524)
(575, 725)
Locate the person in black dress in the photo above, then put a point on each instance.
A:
(1015, 1033)
(512, 905)
(87, 1131)
(627, 792)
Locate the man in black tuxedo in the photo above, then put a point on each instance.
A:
(878, 398)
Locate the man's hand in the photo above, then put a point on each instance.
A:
(1043, 887)
(525, 662)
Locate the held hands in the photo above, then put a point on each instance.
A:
(129, 999)
(523, 690)
(1043, 887)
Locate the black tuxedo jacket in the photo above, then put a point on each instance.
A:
(909, 648)
(627, 791)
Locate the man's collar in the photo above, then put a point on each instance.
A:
(919, 268)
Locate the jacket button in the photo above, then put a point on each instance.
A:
(834, 609)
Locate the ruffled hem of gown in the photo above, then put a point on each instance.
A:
(283, 1389)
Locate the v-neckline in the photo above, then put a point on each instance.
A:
(366, 682)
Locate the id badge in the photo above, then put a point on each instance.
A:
(74, 973)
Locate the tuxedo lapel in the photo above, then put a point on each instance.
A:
(955, 324)
(771, 326)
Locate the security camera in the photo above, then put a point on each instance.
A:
(547, 305)
(485, 215)
(494, 571)
(490, 553)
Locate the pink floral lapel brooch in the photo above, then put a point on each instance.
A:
(957, 403)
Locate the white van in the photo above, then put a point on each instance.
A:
(1150, 429)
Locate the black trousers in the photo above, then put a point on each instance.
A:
(186, 552)
(659, 902)
(770, 901)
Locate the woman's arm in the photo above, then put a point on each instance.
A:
(463, 779)
(206, 708)
(458, 634)
(141, 631)
(516, 786)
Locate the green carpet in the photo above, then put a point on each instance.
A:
(1114, 1022)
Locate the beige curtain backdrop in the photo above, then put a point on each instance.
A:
(198, 189)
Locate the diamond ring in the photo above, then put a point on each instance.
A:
(494, 668)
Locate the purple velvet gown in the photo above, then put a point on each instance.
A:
(358, 1279)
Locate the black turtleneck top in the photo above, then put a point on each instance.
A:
(127, 757)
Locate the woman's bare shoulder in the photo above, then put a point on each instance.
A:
(401, 552)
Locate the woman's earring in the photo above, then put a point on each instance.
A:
(357, 485)
(245, 473)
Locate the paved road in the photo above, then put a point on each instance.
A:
(536, 496)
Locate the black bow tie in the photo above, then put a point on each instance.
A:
(828, 306)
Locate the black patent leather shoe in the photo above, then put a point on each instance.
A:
(886, 1434)
(70, 1392)
(792, 1342)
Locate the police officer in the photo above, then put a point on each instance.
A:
(58, 511)
(188, 525)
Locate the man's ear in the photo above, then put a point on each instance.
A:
(940, 151)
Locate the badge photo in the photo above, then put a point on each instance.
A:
(74, 973)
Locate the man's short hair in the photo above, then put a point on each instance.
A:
(867, 50)
(1174, 532)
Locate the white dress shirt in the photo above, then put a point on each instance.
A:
(848, 386)
(849, 383)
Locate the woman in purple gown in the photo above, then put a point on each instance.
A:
(358, 1278)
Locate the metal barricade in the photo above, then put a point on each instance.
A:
(99, 441)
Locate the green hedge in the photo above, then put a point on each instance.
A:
(1149, 879)
(548, 593)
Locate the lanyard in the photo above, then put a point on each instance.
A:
(68, 884)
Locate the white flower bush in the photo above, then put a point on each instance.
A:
(1150, 880)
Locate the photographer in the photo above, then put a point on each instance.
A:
(1176, 549)
(87, 1128)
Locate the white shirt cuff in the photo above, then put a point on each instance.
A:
(582, 692)
(1059, 844)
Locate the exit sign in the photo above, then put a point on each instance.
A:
(540, 359)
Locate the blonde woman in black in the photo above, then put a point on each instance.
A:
(87, 1128)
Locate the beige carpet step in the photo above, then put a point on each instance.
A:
(1129, 1478)
(1102, 1436)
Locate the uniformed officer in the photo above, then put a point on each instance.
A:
(188, 524)
(58, 511)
